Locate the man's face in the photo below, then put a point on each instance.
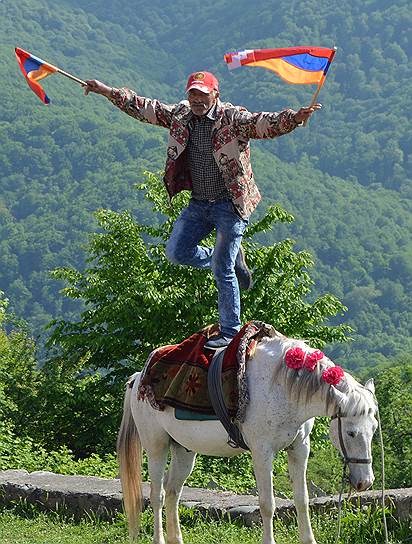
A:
(200, 103)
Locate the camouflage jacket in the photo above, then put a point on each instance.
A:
(234, 127)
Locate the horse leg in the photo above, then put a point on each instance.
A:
(157, 457)
(298, 455)
(262, 465)
(180, 468)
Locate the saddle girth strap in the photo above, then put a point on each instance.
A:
(214, 385)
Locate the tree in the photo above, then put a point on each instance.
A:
(52, 406)
(17, 368)
(136, 300)
(393, 383)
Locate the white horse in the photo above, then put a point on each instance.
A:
(280, 414)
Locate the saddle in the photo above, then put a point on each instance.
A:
(177, 375)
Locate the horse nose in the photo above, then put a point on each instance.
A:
(363, 485)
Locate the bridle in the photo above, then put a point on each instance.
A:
(346, 459)
(367, 461)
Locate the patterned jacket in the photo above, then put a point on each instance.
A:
(234, 127)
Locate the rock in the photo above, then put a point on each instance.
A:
(214, 485)
(82, 495)
(315, 491)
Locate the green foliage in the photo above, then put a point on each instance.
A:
(17, 362)
(69, 403)
(128, 287)
(46, 425)
(365, 524)
(346, 177)
(394, 392)
(17, 452)
(42, 410)
(135, 299)
(235, 473)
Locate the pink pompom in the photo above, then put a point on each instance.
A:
(294, 358)
(333, 375)
(311, 359)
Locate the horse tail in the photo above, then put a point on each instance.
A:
(129, 454)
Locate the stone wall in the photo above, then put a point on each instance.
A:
(79, 495)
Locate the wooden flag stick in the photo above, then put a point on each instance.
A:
(70, 76)
(320, 85)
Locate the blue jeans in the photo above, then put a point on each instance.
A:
(193, 225)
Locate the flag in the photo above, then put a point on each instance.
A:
(34, 69)
(301, 65)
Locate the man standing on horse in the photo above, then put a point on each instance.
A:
(209, 154)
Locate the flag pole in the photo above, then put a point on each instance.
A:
(70, 76)
(321, 82)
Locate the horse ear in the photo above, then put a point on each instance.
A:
(340, 397)
(370, 385)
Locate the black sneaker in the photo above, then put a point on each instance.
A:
(218, 342)
(243, 273)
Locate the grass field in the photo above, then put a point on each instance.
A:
(24, 524)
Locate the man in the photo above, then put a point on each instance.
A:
(208, 153)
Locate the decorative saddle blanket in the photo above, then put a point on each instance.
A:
(177, 375)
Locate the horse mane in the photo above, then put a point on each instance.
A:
(302, 384)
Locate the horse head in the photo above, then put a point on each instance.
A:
(351, 432)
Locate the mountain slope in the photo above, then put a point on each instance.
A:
(346, 177)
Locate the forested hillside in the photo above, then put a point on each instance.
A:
(346, 177)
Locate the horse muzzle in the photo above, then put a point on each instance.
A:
(361, 483)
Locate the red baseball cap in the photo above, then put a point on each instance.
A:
(203, 81)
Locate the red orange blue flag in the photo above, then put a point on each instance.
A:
(300, 65)
(34, 70)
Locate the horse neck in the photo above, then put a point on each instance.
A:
(313, 407)
(303, 406)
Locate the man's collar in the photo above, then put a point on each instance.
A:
(212, 113)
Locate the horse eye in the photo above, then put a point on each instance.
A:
(352, 434)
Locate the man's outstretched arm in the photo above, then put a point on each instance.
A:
(263, 125)
(143, 109)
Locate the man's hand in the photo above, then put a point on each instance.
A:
(303, 114)
(94, 86)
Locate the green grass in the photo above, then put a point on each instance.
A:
(24, 524)
(46, 529)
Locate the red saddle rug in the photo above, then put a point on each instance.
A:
(177, 375)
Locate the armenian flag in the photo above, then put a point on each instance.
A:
(300, 65)
(34, 70)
